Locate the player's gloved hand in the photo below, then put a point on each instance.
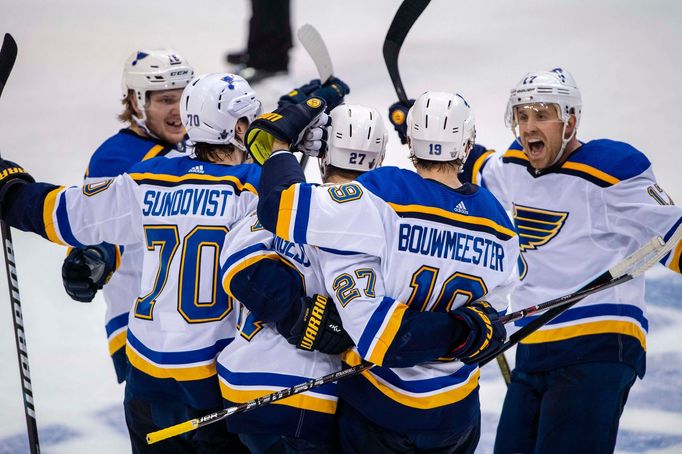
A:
(397, 114)
(10, 174)
(319, 327)
(300, 94)
(333, 92)
(314, 141)
(486, 331)
(287, 124)
(86, 270)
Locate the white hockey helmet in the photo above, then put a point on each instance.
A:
(153, 70)
(555, 87)
(441, 127)
(212, 104)
(357, 138)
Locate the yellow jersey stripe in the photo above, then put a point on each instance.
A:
(591, 171)
(454, 216)
(302, 401)
(584, 329)
(117, 342)
(386, 337)
(675, 260)
(239, 266)
(176, 373)
(286, 211)
(48, 216)
(193, 176)
(428, 402)
(153, 152)
(477, 166)
(518, 154)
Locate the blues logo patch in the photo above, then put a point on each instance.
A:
(535, 227)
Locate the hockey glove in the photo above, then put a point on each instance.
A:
(332, 91)
(86, 270)
(319, 327)
(287, 124)
(11, 174)
(314, 143)
(485, 331)
(300, 94)
(397, 114)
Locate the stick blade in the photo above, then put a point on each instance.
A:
(8, 55)
(313, 43)
(407, 14)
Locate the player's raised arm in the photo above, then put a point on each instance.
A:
(75, 216)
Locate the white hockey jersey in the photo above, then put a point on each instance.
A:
(574, 222)
(435, 248)
(261, 361)
(180, 209)
(112, 158)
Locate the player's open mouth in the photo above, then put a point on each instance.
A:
(535, 147)
(174, 124)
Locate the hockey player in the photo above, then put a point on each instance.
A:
(264, 273)
(435, 243)
(152, 85)
(578, 208)
(181, 210)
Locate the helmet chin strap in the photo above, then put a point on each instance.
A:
(564, 143)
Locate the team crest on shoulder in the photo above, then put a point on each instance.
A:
(535, 227)
(95, 188)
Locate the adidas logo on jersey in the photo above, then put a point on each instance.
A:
(460, 208)
(196, 169)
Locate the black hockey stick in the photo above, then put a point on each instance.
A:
(194, 424)
(622, 272)
(407, 14)
(8, 54)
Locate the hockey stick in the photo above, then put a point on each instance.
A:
(8, 54)
(407, 14)
(624, 271)
(194, 424)
(313, 43)
(620, 273)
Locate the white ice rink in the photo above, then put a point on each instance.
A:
(62, 99)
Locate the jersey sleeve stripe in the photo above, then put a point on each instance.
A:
(381, 330)
(592, 172)
(285, 212)
(302, 213)
(116, 323)
(48, 216)
(117, 342)
(194, 178)
(478, 165)
(153, 152)
(673, 260)
(64, 224)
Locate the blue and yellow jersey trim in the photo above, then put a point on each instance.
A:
(597, 319)
(56, 219)
(180, 366)
(117, 329)
(153, 152)
(243, 259)
(167, 180)
(245, 386)
(440, 215)
(674, 259)
(426, 394)
(380, 330)
(293, 213)
(478, 165)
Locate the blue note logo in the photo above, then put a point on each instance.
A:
(536, 227)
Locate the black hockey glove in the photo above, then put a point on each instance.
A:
(333, 92)
(397, 114)
(319, 327)
(86, 270)
(300, 94)
(287, 124)
(11, 174)
(485, 331)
